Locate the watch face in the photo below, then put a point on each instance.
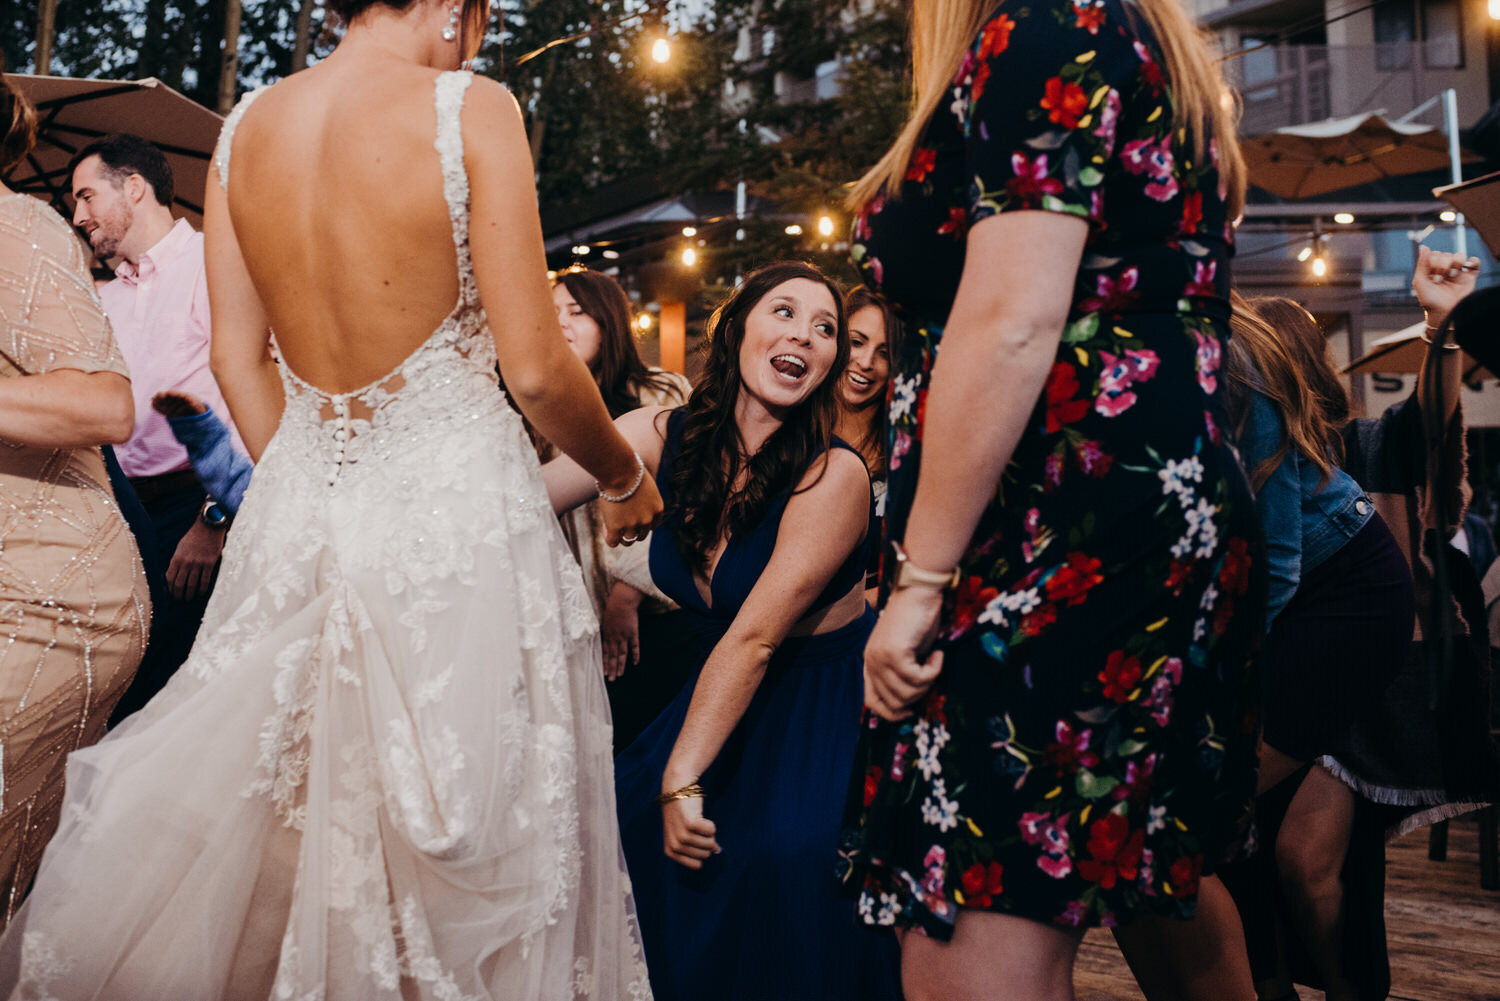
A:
(213, 515)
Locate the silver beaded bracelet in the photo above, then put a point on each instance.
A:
(640, 474)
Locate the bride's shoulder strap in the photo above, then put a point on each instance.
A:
(449, 97)
(226, 135)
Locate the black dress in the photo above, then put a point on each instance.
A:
(1089, 748)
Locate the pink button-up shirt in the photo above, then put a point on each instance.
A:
(159, 310)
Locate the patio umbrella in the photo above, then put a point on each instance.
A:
(1403, 351)
(1479, 201)
(1300, 161)
(71, 113)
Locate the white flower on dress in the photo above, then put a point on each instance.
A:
(929, 741)
(1177, 475)
(903, 395)
(938, 810)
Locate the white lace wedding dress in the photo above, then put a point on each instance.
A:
(384, 772)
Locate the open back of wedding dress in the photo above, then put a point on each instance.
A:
(384, 772)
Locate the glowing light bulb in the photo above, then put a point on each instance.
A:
(1343, 218)
(611, 255)
(794, 230)
(644, 321)
(661, 50)
(690, 231)
(689, 257)
(1451, 216)
(581, 250)
(1304, 254)
(825, 226)
(1495, 10)
(1319, 267)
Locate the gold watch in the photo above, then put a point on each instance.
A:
(908, 574)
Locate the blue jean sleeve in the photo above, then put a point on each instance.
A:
(1279, 502)
(222, 470)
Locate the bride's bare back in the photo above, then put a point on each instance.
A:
(336, 196)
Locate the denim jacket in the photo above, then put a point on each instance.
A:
(222, 470)
(1303, 523)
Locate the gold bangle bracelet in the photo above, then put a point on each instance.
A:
(693, 791)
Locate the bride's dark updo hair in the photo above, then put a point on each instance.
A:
(709, 454)
(473, 12)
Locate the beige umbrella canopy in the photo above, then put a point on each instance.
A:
(71, 113)
(1300, 161)
(1403, 352)
(1479, 201)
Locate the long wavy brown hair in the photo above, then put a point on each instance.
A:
(710, 453)
(1277, 349)
(618, 370)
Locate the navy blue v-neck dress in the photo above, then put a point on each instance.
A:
(764, 918)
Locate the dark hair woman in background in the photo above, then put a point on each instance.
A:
(1338, 620)
(742, 778)
(637, 623)
(874, 338)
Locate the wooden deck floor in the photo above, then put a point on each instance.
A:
(1443, 930)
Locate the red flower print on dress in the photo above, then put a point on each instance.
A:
(1114, 851)
(1120, 676)
(1035, 623)
(1183, 876)
(1093, 459)
(1089, 15)
(1234, 575)
(994, 40)
(1031, 182)
(1052, 473)
(872, 783)
(957, 224)
(1151, 73)
(1062, 408)
(1111, 293)
(1192, 213)
(982, 883)
(1065, 102)
(1074, 579)
(969, 600)
(1070, 751)
(1115, 381)
(922, 163)
(1178, 574)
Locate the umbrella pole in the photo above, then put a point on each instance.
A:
(1450, 120)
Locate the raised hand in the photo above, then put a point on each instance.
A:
(897, 674)
(1440, 281)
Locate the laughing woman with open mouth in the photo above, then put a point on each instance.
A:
(742, 778)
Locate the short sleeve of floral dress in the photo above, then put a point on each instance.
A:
(1088, 751)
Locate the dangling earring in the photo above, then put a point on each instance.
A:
(450, 30)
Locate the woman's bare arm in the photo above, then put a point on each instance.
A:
(240, 348)
(819, 529)
(66, 408)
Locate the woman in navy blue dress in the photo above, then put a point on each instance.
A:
(741, 779)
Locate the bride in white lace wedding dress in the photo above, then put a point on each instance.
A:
(384, 772)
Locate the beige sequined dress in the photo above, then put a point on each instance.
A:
(74, 608)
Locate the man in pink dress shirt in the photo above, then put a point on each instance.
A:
(158, 305)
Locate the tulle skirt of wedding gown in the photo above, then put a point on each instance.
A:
(384, 772)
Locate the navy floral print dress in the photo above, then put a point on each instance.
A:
(1088, 750)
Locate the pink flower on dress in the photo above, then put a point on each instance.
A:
(900, 448)
(1073, 915)
(1112, 294)
(1143, 362)
(1115, 380)
(1203, 279)
(1031, 182)
(1207, 362)
(1153, 158)
(898, 763)
(1109, 118)
(1093, 459)
(1052, 473)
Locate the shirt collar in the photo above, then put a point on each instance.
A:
(163, 251)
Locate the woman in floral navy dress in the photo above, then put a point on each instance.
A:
(1062, 727)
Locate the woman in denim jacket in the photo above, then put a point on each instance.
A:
(1338, 620)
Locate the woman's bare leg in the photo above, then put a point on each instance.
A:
(1198, 960)
(992, 957)
(1310, 855)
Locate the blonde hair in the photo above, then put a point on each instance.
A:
(942, 30)
(18, 119)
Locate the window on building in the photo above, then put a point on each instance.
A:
(1442, 34)
(1395, 31)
